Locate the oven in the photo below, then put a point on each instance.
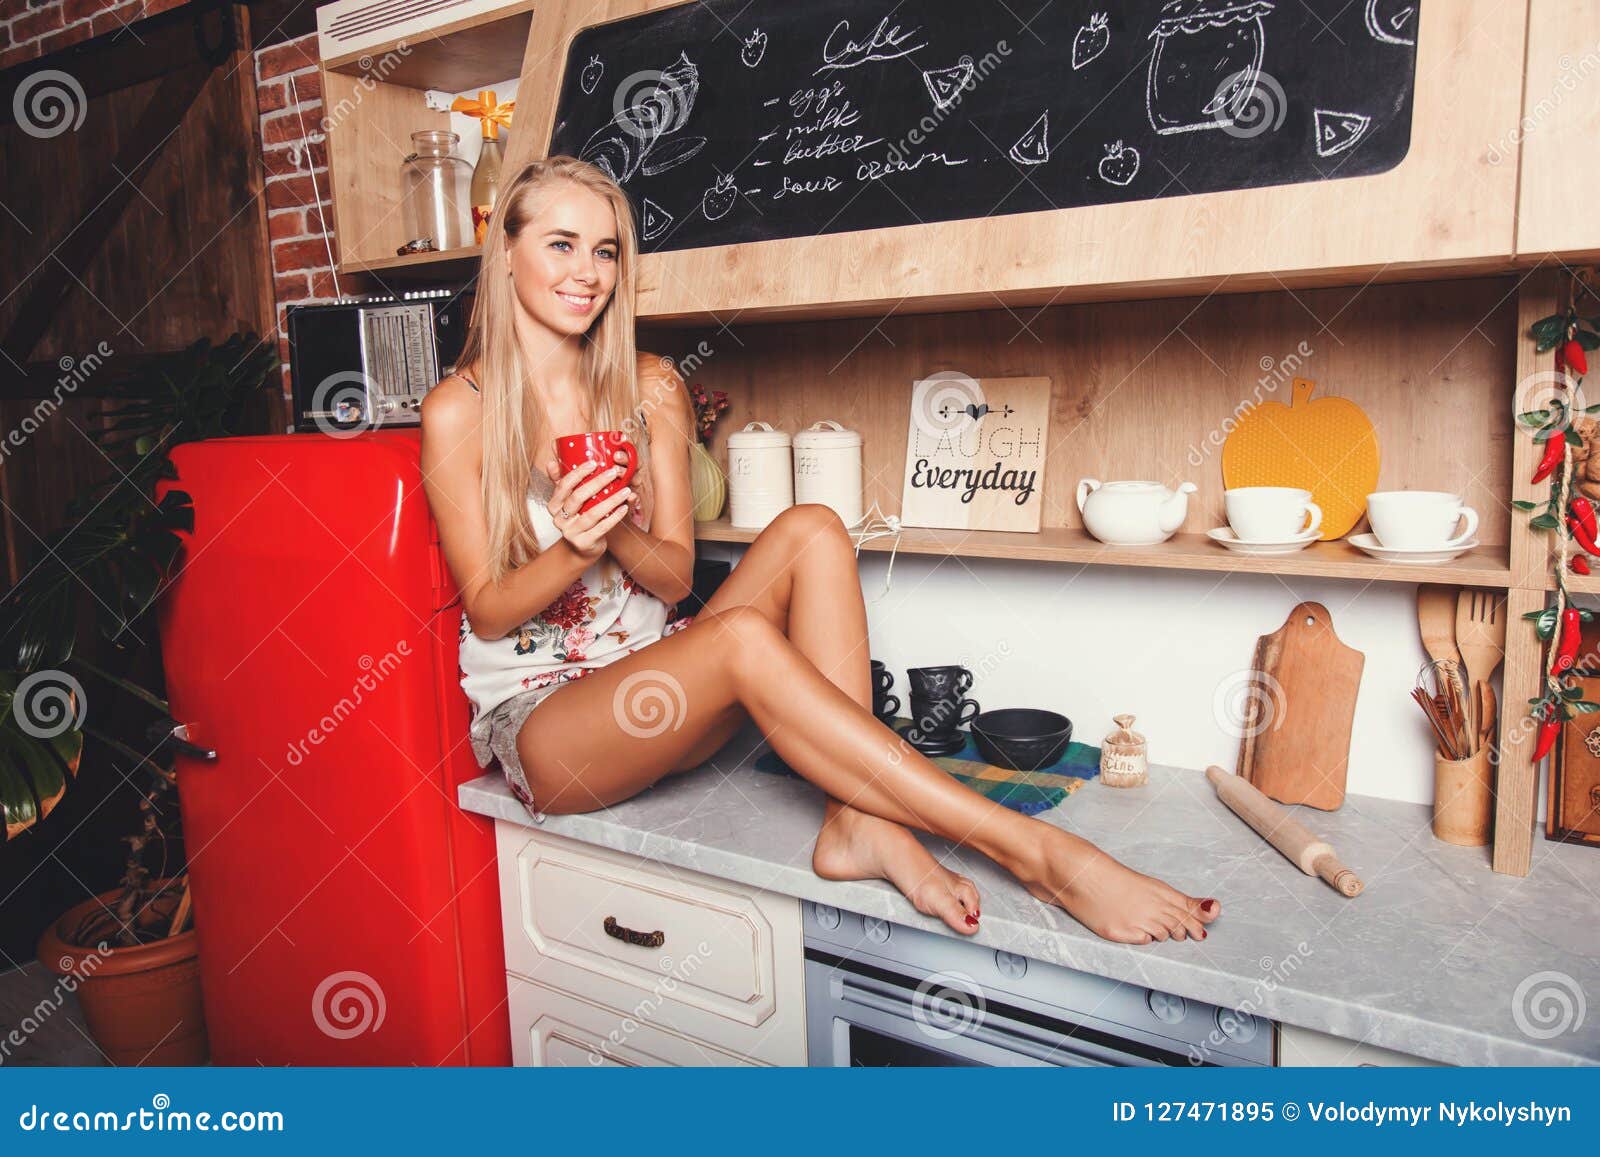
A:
(881, 994)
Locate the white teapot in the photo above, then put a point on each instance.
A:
(1132, 513)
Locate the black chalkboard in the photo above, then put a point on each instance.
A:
(747, 120)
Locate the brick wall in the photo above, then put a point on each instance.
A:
(295, 158)
(30, 28)
(298, 205)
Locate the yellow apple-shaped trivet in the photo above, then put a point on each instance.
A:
(1327, 446)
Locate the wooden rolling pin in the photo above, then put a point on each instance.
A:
(1272, 823)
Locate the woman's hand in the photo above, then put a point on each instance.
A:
(585, 530)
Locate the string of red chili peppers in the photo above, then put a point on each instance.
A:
(1572, 520)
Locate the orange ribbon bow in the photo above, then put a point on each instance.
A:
(487, 109)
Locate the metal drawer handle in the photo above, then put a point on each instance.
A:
(629, 936)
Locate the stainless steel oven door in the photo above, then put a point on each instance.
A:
(861, 1015)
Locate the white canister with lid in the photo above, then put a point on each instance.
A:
(827, 469)
(760, 475)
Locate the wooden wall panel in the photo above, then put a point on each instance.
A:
(1140, 388)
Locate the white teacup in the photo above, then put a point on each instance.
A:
(1419, 519)
(1271, 513)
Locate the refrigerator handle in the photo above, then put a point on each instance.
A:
(170, 734)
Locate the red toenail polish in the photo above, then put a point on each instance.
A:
(972, 921)
(1202, 933)
(1208, 905)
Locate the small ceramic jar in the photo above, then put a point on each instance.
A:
(760, 475)
(827, 469)
(1122, 756)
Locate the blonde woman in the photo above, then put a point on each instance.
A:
(581, 688)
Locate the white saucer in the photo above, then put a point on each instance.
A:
(1411, 554)
(1225, 536)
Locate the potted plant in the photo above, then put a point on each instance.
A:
(707, 482)
(129, 953)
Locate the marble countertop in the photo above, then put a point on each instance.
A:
(1440, 957)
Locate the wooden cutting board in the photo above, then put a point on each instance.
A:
(1296, 742)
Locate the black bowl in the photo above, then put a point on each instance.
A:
(1021, 738)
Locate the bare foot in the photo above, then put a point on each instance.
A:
(1110, 899)
(853, 845)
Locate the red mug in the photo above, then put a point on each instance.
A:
(599, 447)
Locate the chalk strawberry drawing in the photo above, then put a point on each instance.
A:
(754, 48)
(1091, 40)
(590, 77)
(1337, 131)
(1033, 147)
(656, 220)
(945, 84)
(1120, 164)
(1392, 23)
(719, 198)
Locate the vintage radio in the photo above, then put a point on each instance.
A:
(369, 361)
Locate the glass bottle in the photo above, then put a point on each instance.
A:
(437, 182)
(486, 175)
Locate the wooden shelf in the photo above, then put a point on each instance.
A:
(446, 263)
(1487, 566)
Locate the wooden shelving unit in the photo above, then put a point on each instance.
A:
(1482, 567)
(375, 98)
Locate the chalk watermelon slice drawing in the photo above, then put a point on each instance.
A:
(1392, 22)
(1338, 131)
(656, 220)
(945, 84)
(1033, 147)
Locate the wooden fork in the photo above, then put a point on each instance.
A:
(1481, 639)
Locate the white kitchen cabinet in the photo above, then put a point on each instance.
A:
(695, 959)
(554, 1029)
(1308, 1048)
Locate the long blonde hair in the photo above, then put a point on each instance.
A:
(511, 410)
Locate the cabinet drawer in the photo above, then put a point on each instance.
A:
(551, 1029)
(705, 958)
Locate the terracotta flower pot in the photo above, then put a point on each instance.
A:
(142, 1004)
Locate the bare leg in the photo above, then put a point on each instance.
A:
(609, 735)
(801, 575)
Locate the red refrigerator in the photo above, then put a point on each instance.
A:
(347, 910)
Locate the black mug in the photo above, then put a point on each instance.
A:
(884, 705)
(937, 717)
(951, 682)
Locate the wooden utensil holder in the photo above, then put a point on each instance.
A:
(1462, 799)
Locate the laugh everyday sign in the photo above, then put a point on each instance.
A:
(975, 453)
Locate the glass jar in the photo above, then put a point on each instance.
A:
(437, 182)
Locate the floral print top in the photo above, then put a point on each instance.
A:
(603, 616)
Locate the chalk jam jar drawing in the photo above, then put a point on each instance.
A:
(1206, 62)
